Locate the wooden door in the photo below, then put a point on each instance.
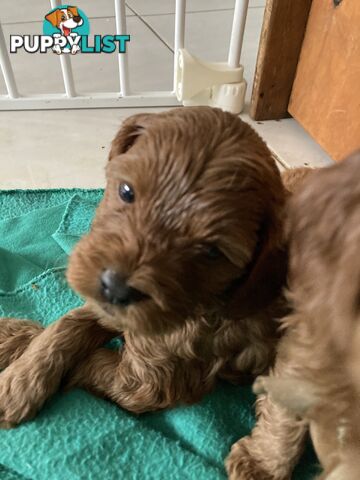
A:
(325, 97)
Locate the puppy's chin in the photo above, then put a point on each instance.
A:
(136, 318)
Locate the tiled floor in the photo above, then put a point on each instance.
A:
(67, 148)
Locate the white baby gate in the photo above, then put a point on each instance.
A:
(195, 82)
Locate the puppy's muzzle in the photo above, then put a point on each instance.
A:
(115, 290)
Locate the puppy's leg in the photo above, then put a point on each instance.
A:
(273, 448)
(132, 382)
(276, 442)
(96, 373)
(297, 396)
(15, 336)
(33, 377)
(116, 376)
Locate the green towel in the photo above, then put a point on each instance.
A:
(78, 436)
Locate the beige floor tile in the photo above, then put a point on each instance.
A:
(257, 3)
(57, 148)
(291, 143)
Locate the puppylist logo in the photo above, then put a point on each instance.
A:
(66, 30)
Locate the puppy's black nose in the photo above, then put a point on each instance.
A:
(115, 290)
(77, 19)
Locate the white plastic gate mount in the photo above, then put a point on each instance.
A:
(206, 83)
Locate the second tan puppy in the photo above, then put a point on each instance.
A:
(317, 373)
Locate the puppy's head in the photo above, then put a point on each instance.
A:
(191, 209)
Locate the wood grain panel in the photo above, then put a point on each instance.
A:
(326, 92)
(280, 44)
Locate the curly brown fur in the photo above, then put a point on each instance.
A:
(201, 177)
(317, 374)
(255, 458)
(295, 178)
(40, 361)
(276, 442)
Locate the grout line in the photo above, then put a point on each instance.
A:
(188, 11)
(162, 40)
(163, 14)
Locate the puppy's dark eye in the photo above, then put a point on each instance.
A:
(126, 193)
(212, 251)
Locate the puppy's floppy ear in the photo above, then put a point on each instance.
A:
(267, 272)
(129, 132)
(53, 17)
(74, 11)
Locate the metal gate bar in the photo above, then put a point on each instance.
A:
(125, 97)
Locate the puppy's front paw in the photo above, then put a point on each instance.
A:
(240, 465)
(22, 393)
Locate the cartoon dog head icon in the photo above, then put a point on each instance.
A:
(65, 19)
